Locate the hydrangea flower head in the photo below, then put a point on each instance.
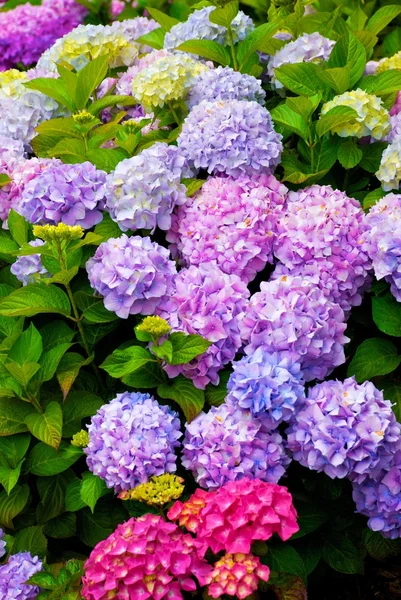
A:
(344, 429)
(124, 82)
(397, 105)
(144, 558)
(234, 137)
(389, 173)
(237, 514)
(143, 190)
(210, 303)
(291, 314)
(2, 544)
(70, 194)
(373, 119)
(198, 26)
(14, 574)
(268, 384)
(131, 439)
(229, 443)
(80, 439)
(395, 131)
(389, 62)
(309, 47)
(232, 222)
(159, 490)
(29, 269)
(224, 83)
(236, 575)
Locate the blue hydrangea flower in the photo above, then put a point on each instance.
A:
(28, 269)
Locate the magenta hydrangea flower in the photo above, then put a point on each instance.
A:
(344, 429)
(229, 443)
(268, 384)
(379, 498)
(234, 137)
(133, 274)
(210, 303)
(63, 193)
(231, 222)
(131, 439)
(384, 241)
(15, 573)
(236, 575)
(292, 314)
(323, 229)
(144, 558)
(28, 269)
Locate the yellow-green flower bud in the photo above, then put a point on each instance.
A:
(60, 232)
(154, 326)
(83, 117)
(80, 439)
(157, 491)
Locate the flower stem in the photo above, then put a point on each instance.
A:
(232, 49)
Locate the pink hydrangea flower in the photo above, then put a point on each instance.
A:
(236, 575)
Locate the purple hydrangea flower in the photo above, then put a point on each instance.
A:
(395, 131)
(10, 149)
(63, 193)
(379, 498)
(231, 222)
(143, 190)
(131, 439)
(28, 269)
(224, 83)
(15, 572)
(133, 274)
(2, 543)
(198, 26)
(234, 137)
(292, 314)
(344, 429)
(210, 303)
(228, 444)
(397, 105)
(384, 241)
(268, 382)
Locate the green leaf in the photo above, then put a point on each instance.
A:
(341, 554)
(190, 399)
(382, 17)
(98, 313)
(285, 559)
(61, 527)
(337, 116)
(207, 49)
(7, 245)
(68, 370)
(148, 376)
(92, 488)
(162, 18)
(70, 151)
(89, 79)
(373, 357)
(18, 227)
(309, 519)
(13, 449)
(52, 492)
(382, 84)
(124, 362)
(28, 346)
(78, 406)
(154, 39)
(59, 128)
(64, 276)
(108, 101)
(224, 16)
(187, 347)
(216, 394)
(47, 426)
(107, 228)
(164, 351)
(259, 39)
(45, 580)
(367, 39)
(392, 42)
(24, 373)
(349, 154)
(97, 526)
(13, 413)
(349, 52)
(31, 539)
(301, 78)
(4, 179)
(291, 120)
(9, 477)
(33, 299)
(357, 19)
(11, 505)
(372, 155)
(381, 548)
(106, 159)
(54, 88)
(44, 460)
(49, 361)
(337, 78)
(392, 391)
(387, 314)
(73, 500)
(192, 185)
(372, 197)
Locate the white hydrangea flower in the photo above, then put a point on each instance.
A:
(389, 173)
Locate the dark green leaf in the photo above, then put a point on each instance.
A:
(285, 559)
(96, 527)
(107, 228)
(341, 554)
(73, 500)
(387, 314)
(68, 370)
(349, 154)
(373, 357)
(392, 391)
(216, 394)
(9, 477)
(31, 539)
(61, 527)
(13, 448)
(92, 488)
(44, 460)
(13, 413)
(148, 376)
(381, 548)
(78, 406)
(11, 505)
(372, 155)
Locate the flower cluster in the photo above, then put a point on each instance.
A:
(229, 443)
(144, 557)
(80, 439)
(2, 544)
(389, 173)
(29, 269)
(14, 574)
(236, 575)
(234, 137)
(143, 190)
(131, 439)
(133, 274)
(291, 314)
(389, 63)
(232, 222)
(198, 26)
(269, 383)
(372, 118)
(159, 490)
(210, 303)
(344, 429)
(124, 83)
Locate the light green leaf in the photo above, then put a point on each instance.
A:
(70, 151)
(106, 159)
(207, 49)
(108, 101)
(190, 399)
(49, 361)
(64, 276)
(13, 413)
(382, 17)
(187, 347)
(372, 197)
(45, 461)
(392, 391)
(291, 120)
(162, 18)
(28, 347)
(216, 394)
(98, 313)
(59, 128)
(301, 78)
(9, 477)
(154, 39)
(382, 84)
(12, 504)
(357, 19)
(33, 299)
(92, 488)
(47, 427)
(18, 227)
(4, 179)
(54, 88)
(349, 154)
(164, 351)
(68, 370)
(224, 16)
(31, 539)
(129, 360)
(349, 52)
(89, 79)
(192, 185)
(337, 78)
(107, 228)
(373, 357)
(7, 245)
(337, 116)
(24, 373)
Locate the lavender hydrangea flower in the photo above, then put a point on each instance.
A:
(63, 193)
(384, 239)
(136, 28)
(322, 225)
(228, 444)
(15, 572)
(395, 131)
(231, 222)
(28, 269)
(234, 137)
(210, 303)
(344, 429)
(131, 439)
(268, 382)
(291, 314)
(10, 148)
(143, 190)
(198, 26)
(224, 83)
(309, 47)
(2, 544)
(379, 498)
(133, 274)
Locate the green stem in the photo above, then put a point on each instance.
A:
(177, 120)
(232, 49)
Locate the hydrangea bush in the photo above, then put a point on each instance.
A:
(200, 286)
